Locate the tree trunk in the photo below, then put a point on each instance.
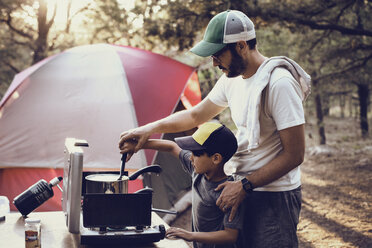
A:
(342, 105)
(325, 105)
(363, 93)
(41, 44)
(350, 105)
(319, 116)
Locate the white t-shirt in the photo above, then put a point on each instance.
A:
(281, 108)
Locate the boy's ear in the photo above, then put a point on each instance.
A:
(217, 158)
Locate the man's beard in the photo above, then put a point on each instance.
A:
(237, 65)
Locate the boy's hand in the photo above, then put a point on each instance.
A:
(175, 232)
(128, 147)
(232, 195)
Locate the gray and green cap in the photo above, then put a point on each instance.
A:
(226, 27)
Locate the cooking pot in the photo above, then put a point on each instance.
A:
(113, 183)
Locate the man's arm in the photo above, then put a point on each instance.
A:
(226, 236)
(293, 141)
(177, 122)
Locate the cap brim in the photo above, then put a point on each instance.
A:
(188, 143)
(206, 49)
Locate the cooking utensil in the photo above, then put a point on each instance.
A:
(110, 183)
(122, 167)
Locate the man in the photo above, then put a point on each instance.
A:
(265, 98)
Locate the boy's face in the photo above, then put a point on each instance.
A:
(202, 163)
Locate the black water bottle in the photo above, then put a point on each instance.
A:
(35, 195)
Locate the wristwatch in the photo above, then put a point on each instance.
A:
(247, 185)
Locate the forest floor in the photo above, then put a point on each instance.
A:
(336, 186)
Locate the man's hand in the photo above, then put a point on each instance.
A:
(137, 135)
(128, 147)
(175, 232)
(232, 196)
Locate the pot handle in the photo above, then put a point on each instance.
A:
(164, 211)
(151, 168)
(145, 190)
(150, 191)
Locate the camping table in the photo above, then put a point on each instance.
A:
(54, 232)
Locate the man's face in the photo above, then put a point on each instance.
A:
(229, 61)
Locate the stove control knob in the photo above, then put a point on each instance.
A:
(162, 231)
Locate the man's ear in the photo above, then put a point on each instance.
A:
(217, 158)
(241, 46)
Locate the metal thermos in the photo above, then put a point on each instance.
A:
(35, 195)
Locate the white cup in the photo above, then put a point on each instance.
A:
(4, 205)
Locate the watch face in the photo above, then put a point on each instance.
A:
(247, 186)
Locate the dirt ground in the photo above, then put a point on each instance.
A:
(337, 184)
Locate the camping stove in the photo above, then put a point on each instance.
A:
(104, 218)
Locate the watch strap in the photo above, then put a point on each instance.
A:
(247, 185)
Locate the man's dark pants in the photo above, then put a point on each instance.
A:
(271, 218)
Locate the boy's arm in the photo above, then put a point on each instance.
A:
(157, 144)
(225, 236)
(163, 146)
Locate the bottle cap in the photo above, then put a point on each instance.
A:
(32, 220)
(55, 181)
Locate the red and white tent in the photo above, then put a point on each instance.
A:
(89, 92)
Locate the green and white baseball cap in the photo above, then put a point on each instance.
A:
(226, 27)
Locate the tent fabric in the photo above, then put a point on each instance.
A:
(18, 79)
(90, 92)
(172, 181)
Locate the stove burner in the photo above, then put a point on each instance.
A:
(107, 218)
(129, 235)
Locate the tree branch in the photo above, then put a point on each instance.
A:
(8, 21)
(317, 41)
(51, 21)
(350, 68)
(335, 27)
(12, 67)
(306, 18)
(342, 10)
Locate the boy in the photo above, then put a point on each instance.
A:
(203, 156)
